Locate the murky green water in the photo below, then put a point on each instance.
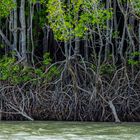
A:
(68, 131)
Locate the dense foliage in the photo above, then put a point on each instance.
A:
(70, 60)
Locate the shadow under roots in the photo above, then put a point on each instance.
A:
(78, 94)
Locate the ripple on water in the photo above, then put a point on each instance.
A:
(68, 131)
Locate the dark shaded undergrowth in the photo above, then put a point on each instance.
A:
(70, 90)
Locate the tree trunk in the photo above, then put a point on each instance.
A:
(23, 32)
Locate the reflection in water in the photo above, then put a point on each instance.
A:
(68, 131)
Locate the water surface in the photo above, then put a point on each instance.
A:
(68, 131)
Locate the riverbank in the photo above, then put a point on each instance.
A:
(74, 97)
(70, 60)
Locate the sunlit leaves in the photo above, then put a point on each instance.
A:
(70, 20)
(5, 7)
(135, 6)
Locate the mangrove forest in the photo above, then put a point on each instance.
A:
(70, 60)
